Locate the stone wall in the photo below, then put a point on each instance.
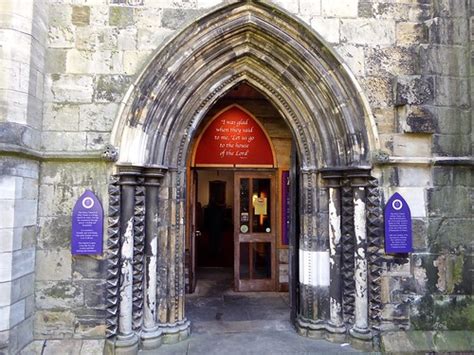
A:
(70, 290)
(411, 58)
(22, 41)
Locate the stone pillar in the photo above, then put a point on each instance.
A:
(23, 41)
(127, 340)
(314, 276)
(170, 258)
(360, 329)
(151, 333)
(336, 323)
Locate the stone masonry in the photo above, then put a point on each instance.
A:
(66, 67)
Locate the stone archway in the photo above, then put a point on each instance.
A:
(334, 133)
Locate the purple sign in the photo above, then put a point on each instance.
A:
(398, 235)
(87, 225)
(285, 211)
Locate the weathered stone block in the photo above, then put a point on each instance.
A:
(353, 56)
(396, 61)
(414, 90)
(457, 198)
(444, 60)
(58, 295)
(411, 33)
(448, 31)
(452, 145)
(368, 31)
(420, 234)
(64, 141)
(88, 267)
(310, 8)
(90, 323)
(80, 15)
(94, 293)
(69, 88)
(55, 232)
(13, 107)
(53, 265)
(133, 61)
(61, 117)
(453, 120)
(443, 312)
(99, 15)
(94, 62)
(452, 91)
(450, 234)
(97, 117)
(97, 140)
(341, 8)
(120, 16)
(76, 174)
(414, 176)
(60, 14)
(416, 119)
(127, 39)
(176, 18)
(378, 90)
(61, 37)
(111, 88)
(385, 119)
(91, 38)
(54, 324)
(328, 28)
(411, 145)
(23, 262)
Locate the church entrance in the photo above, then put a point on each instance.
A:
(237, 182)
(246, 91)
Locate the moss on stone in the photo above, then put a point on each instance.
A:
(120, 16)
(456, 313)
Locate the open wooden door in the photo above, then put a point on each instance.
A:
(194, 231)
(254, 231)
(293, 247)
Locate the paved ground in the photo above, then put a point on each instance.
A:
(227, 322)
(223, 322)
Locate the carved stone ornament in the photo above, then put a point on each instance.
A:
(110, 153)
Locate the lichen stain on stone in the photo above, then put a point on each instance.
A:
(61, 291)
(450, 272)
(443, 313)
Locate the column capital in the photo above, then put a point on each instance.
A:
(332, 177)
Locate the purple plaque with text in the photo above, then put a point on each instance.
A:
(87, 225)
(285, 210)
(398, 234)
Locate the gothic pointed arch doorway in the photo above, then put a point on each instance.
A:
(333, 134)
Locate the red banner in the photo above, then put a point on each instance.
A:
(233, 138)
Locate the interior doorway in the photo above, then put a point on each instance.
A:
(238, 199)
(214, 218)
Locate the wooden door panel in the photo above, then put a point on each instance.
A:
(254, 231)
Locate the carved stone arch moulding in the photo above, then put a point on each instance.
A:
(328, 115)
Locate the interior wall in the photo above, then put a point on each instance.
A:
(205, 176)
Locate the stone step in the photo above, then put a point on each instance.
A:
(244, 326)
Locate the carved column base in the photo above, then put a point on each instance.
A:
(321, 330)
(361, 339)
(122, 344)
(173, 333)
(336, 329)
(151, 338)
(361, 334)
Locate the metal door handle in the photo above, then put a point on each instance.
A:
(197, 233)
